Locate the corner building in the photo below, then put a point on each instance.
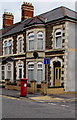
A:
(27, 43)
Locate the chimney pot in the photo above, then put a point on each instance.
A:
(27, 11)
(7, 19)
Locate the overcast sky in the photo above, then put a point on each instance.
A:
(40, 6)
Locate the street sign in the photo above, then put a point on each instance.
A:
(46, 60)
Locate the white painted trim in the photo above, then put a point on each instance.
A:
(18, 43)
(55, 59)
(10, 38)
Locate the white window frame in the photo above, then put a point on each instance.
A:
(20, 44)
(8, 44)
(39, 68)
(9, 71)
(20, 68)
(5, 47)
(58, 36)
(30, 39)
(39, 37)
(1, 72)
(32, 68)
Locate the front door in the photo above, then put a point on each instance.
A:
(57, 76)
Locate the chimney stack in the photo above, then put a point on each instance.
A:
(7, 19)
(27, 11)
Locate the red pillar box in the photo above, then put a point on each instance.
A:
(23, 87)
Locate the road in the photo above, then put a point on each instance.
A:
(25, 108)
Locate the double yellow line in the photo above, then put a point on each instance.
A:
(13, 98)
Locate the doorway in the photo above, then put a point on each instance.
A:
(57, 74)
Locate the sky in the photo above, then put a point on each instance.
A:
(40, 6)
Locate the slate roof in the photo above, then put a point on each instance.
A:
(41, 19)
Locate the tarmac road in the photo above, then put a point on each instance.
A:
(24, 108)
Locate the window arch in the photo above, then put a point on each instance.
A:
(31, 41)
(39, 72)
(58, 38)
(40, 40)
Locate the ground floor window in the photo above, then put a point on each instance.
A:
(30, 71)
(9, 71)
(39, 72)
(2, 72)
(20, 71)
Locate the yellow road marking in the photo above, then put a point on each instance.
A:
(10, 97)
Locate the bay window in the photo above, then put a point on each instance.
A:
(40, 41)
(39, 72)
(30, 71)
(31, 41)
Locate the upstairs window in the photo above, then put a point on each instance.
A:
(10, 46)
(31, 41)
(5, 47)
(58, 38)
(20, 44)
(40, 41)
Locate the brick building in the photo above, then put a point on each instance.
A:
(27, 43)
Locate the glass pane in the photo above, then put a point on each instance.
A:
(10, 49)
(9, 74)
(39, 75)
(40, 43)
(31, 66)
(9, 67)
(58, 41)
(3, 75)
(30, 75)
(39, 65)
(31, 44)
(3, 67)
(5, 50)
(20, 72)
(20, 45)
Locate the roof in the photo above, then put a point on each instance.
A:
(41, 19)
(9, 28)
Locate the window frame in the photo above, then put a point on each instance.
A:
(20, 68)
(40, 38)
(9, 70)
(31, 40)
(20, 44)
(2, 71)
(58, 36)
(30, 68)
(40, 68)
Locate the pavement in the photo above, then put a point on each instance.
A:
(39, 97)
